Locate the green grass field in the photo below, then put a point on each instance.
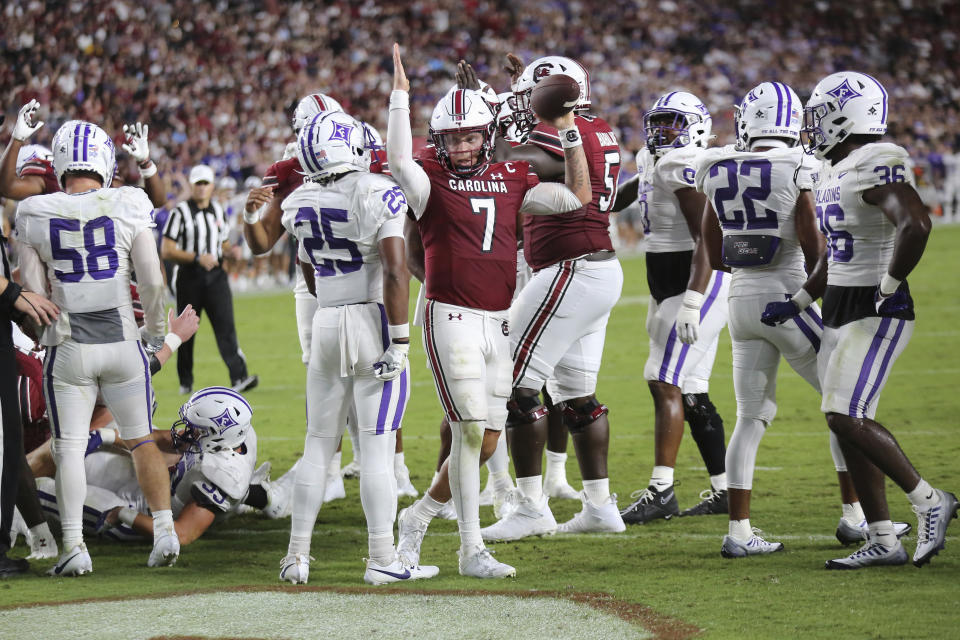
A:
(672, 567)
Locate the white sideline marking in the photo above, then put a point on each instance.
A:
(312, 614)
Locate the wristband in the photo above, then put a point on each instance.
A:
(570, 138)
(108, 435)
(173, 341)
(802, 299)
(253, 217)
(692, 299)
(148, 170)
(399, 99)
(399, 331)
(127, 515)
(9, 296)
(888, 285)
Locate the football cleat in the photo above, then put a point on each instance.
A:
(932, 527)
(410, 532)
(871, 554)
(261, 473)
(528, 519)
(75, 562)
(505, 503)
(396, 571)
(405, 488)
(711, 502)
(604, 518)
(559, 488)
(42, 546)
(849, 533)
(295, 568)
(166, 549)
(334, 489)
(448, 511)
(352, 470)
(755, 546)
(480, 563)
(651, 505)
(246, 384)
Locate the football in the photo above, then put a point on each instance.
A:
(554, 96)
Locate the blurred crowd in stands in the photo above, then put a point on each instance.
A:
(217, 81)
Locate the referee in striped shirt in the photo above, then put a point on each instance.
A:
(194, 237)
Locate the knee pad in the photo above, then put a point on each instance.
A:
(699, 411)
(523, 410)
(579, 418)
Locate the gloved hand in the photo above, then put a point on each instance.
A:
(393, 361)
(136, 144)
(25, 126)
(892, 304)
(779, 312)
(688, 324)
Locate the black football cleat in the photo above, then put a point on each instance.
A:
(651, 505)
(711, 502)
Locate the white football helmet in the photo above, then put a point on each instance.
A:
(681, 114)
(213, 419)
(313, 104)
(462, 111)
(769, 110)
(332, 143)
(842, 104)
(83, 146)
(506, 121)
(535, 72)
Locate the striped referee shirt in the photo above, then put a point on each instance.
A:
(197, 230)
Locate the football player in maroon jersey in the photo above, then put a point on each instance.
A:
(36, 177)
(465, 209)
(560, 317)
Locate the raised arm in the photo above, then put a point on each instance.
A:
(146, 264)
(411, 176)
(11, 186)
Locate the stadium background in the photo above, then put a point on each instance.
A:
(217, 83)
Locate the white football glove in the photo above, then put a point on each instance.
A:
(688, 318)
(136, 144)
(392, 363)
(23, 129)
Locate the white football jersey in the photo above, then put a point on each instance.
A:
(859, 236)
(663, 222)
(755, 193)
(338, 227)
(224, 476)
(84, 240)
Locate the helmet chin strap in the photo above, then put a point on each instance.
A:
(773, 143)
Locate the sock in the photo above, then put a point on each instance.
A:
(532, 488)
(740, 530)
(309, 486)
(71, 483)
(662, 478)
(162, 522)
(464, 473)
(923, 496)
(853, 513)
(881, 532)
(398, 462)
(41, 531)
(333, 469)
(299, 545)
(381, 550)
(501, 481)
(598, 491)
(556, 467)
(378, 493)
(719, 482)
(425, 509)
(500, 460)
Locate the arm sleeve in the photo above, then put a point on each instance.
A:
(146, 264)
(549, 197)
(411, 176)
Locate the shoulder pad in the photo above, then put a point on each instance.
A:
(882, 163)
(709, 157)
(676, 168)
(228, 470)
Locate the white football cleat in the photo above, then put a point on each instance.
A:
(261, 473)
(43, 546)
(75, 562)
(166, 549)
(352, 470)
(486, 496)
(850, 533)
(480, 563)
(506, 502)
(932, 527)
(559, 488)
(405, 488)
(410, 532)
(755, 546)
(604, 518)
(396, 571)
(871, 554)
(295, 568)
(448, 511)
(528, 519)
(334, 489)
